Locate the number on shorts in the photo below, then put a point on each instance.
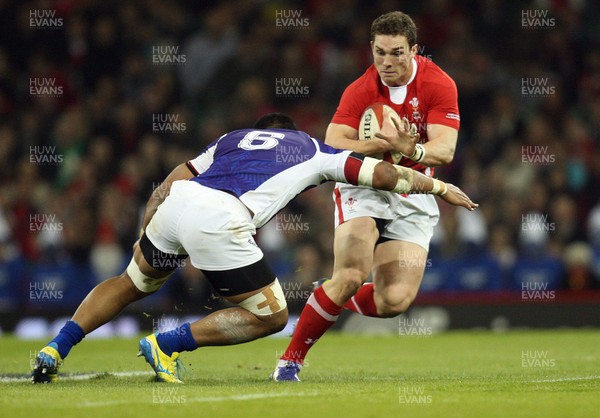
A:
(256, 140)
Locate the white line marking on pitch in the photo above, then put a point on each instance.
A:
(566, 379)
(84, 376)
(251, 396)
(247, 397)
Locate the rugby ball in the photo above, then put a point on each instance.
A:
(373, 119)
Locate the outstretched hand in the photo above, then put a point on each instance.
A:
(457, 197)
(401, 135)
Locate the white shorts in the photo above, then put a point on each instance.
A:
(213, 227)
(410, 218)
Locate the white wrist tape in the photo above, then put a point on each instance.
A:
(419, 153)
(439, 187)
(365, 174)
(405, 179)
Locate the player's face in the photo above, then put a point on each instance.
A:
(393, 58)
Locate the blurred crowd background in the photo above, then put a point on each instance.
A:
(147, 84)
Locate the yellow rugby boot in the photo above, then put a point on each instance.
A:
(47, 362)
(165, 367)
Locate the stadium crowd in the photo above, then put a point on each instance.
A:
(99, 100)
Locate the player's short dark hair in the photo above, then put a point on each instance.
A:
(395, 23)
(275, 120)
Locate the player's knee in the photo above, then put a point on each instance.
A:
(395, 303)
(128, 282)
(278, 321)
(272, 324)
(348, 281)
(132, 289)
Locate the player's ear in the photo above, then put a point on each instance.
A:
(413, 50)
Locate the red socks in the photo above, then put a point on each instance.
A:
(363, 302)
(320, 313)
(317, 316)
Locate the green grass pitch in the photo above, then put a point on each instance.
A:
(456, 374)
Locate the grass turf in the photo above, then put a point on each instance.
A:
(456, 374)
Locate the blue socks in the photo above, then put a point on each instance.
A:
(177, 340)
(68, 336)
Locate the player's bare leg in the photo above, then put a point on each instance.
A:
(105, 301)
(230, 326)
(261, 312)
(101, 305)
(237, 325)
(109, 298)
(353, 249)
(398, 269)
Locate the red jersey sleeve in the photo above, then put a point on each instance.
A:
(443, 108)
(349, 109)
(356, 98)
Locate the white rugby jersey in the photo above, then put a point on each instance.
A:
(267, 168)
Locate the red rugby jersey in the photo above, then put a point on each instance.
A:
(429, 97)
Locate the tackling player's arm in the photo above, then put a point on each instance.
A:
(400, 179)
(366, 171)
(160, 193)
(183, 171)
